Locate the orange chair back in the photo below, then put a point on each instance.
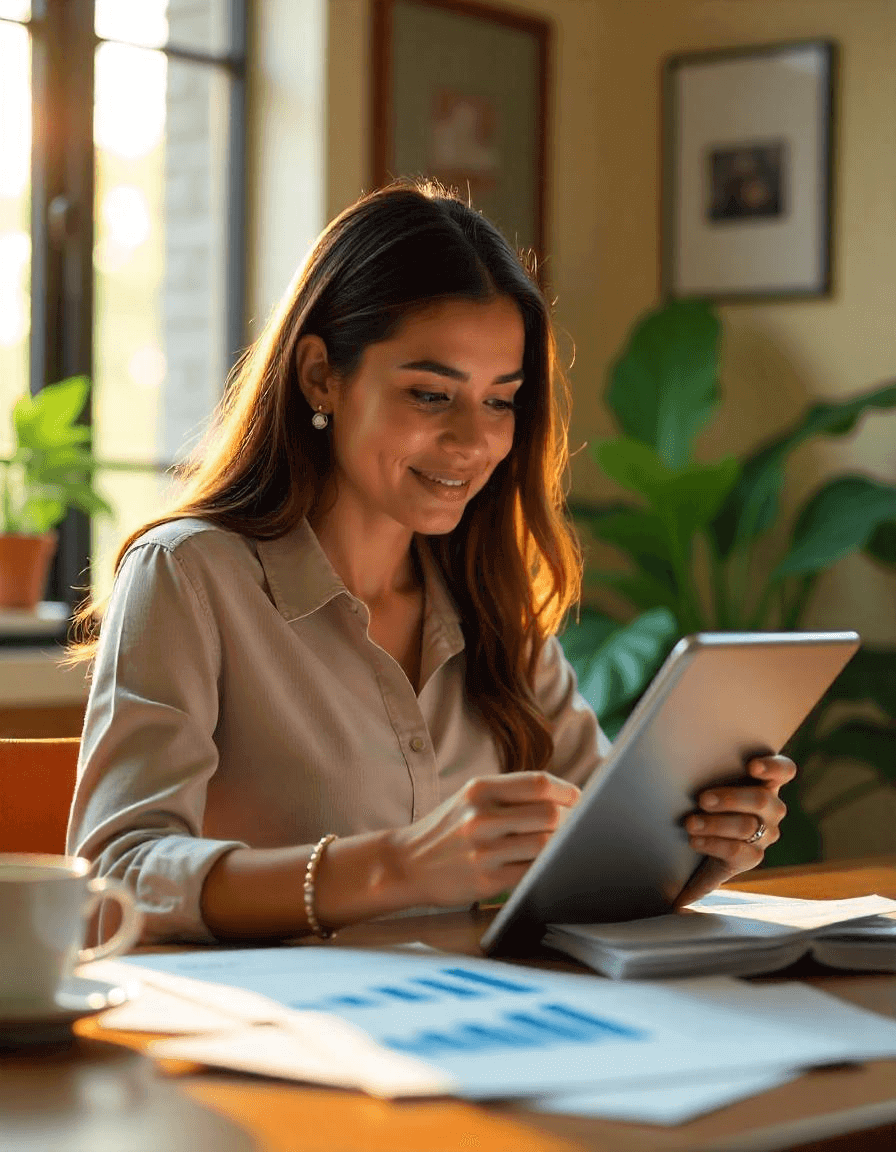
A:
(37, 779)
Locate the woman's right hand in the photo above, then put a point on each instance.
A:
(482, 840)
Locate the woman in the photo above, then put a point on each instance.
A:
(327, 685)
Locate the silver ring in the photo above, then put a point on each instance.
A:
(758, 834)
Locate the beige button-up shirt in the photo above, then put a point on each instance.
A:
(238, 700)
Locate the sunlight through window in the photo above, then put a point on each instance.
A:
(142, 22)
(15, 9)
(129, 114)
(15, 211)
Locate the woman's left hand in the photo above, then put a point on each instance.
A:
(725, 828)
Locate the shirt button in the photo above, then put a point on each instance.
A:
(354, 608)
(418, 744)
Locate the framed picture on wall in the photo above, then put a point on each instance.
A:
(747, 172)
(460, 96)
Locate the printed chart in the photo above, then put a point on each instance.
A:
(497, 1030)
(540, 1024)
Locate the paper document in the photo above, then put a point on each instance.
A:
(672, 1102)
(677, 1100)
(233, 1028)
(313, 1049)
(793, 913)
(166, 1002)
(151, 1010)
(491, 1029)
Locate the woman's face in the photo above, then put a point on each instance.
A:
(428, 415)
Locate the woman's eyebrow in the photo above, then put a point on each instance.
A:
(439, 369)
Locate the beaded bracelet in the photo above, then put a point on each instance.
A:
(308, 887)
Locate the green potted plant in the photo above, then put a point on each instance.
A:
(50, 471)
(702, 548)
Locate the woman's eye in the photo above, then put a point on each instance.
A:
(440, 399)
(428, 398)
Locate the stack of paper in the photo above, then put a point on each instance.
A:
(738, 933)
(396, 1023)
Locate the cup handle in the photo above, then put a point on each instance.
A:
(131, 919)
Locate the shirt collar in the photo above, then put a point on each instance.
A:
(442, 633)
(439, 602)
(301, 578)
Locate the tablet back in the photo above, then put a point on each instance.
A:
(719, 699)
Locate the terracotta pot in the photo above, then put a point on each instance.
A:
(24, 567)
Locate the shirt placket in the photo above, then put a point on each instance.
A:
(407, 720)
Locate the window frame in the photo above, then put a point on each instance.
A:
(63, 45)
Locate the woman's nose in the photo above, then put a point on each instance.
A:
(465, 433)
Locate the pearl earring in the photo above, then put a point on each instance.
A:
(320, 419)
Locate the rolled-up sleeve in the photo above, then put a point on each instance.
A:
(148, 749)
(580, 746)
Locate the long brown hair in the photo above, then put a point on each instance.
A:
(513, 564)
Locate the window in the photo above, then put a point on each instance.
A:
(122, 233)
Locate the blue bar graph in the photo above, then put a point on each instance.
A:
(543, 1029)
(491, 1036)
(544, 1025)
(406, 994)
(461, 991)
(538, 1023)
(454, 983)
(433, 1041)
(496, 982)
(351, 1002)
(567, 1013)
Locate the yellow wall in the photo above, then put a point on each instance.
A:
(603, 228)
(778, 357)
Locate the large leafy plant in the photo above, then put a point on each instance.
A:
(704, 547)
(52, 466)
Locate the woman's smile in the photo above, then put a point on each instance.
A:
(444, 486)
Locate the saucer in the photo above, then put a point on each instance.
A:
(75, 999)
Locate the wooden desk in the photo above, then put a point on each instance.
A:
(837, 1109)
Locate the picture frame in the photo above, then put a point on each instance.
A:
(460, 95)
(747, 172)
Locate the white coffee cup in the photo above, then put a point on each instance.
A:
(45, 906)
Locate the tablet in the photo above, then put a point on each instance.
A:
(719, 699)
